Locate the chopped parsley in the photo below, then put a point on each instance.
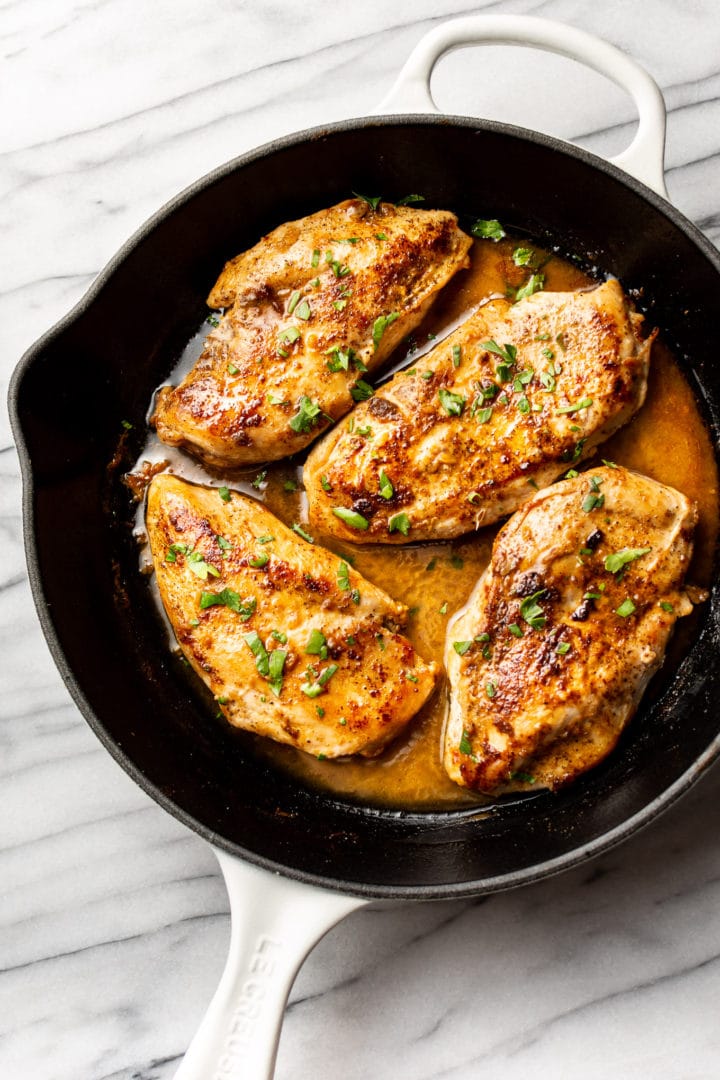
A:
(303, 311)
(407, 200)
(523, 256)
(232, 370)
(535, 284)
(200, 567)
(294, 301)
(288, 335)
(343, 576)
(224, 493)
(313, 690)
(483, 416)
(453, 404)
(276, 666)
(491, 690)
(667, 607)
(508, 352)
(230, 599)
(264, 539)
(351, 517)
(531, 611)
(488, 229)
(256, 647)
(371, 200)
(399, 523)
(615, 562)
(325, 483)
(306, 417)
(626, 608)
(386, 488)
(592, 501)
(314, 262)
(290, 485)
(301, 532)
(456, 355)
(380, 326)
(465, 745)
(584, 404)
(317, 644)
(461, 647)
(259, 480)
(361, 391)
(562, 648)
(174, 550)
(515, 630)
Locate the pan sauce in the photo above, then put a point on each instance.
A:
(667, 441)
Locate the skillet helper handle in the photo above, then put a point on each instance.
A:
(644, 157)
(275, 923)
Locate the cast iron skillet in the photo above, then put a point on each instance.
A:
(98, 367)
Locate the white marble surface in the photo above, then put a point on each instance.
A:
(113, 918)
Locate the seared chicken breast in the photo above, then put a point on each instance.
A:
(553, 652)
(494, 412)
(312, 307)
(293, 643)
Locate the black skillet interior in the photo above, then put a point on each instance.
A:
(76, 386)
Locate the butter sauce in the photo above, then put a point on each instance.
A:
(435, 580)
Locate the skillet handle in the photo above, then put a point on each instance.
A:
(644, 157)
(275, 923)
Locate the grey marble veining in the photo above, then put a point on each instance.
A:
(113, 918)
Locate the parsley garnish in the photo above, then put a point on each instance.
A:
(667, 607)
(465, 746)
(386, 489)
(343, 576)
(230, 599)
(621, 558)
(508, 352)
(584, 404)
(306, 417)
(453, 404)
(408, 199)
(315, 689)
(371, 200)
(531, 611)
(361, 391)
(200, 567)
(259, 480)
(626, 608)
(380, 326)
(562, 648)
(461, 647)
(535, 284)
(288, 335)
(224, 493)
(317, 644)
(351, 518)
(301, 532)
(488, 229)
(399, 523)
(522, 256)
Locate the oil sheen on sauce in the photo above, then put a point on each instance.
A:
(667, 441)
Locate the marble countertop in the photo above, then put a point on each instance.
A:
(113, 917)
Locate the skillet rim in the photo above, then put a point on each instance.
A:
(570, 859)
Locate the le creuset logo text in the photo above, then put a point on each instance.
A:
(249, 1008)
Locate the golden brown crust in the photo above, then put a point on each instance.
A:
(326, 278)
(567, 642)
(508, 430)
(294, 589)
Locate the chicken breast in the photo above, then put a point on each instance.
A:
(311, 308)
(291, 641)
(564, 630)
(494, 412)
